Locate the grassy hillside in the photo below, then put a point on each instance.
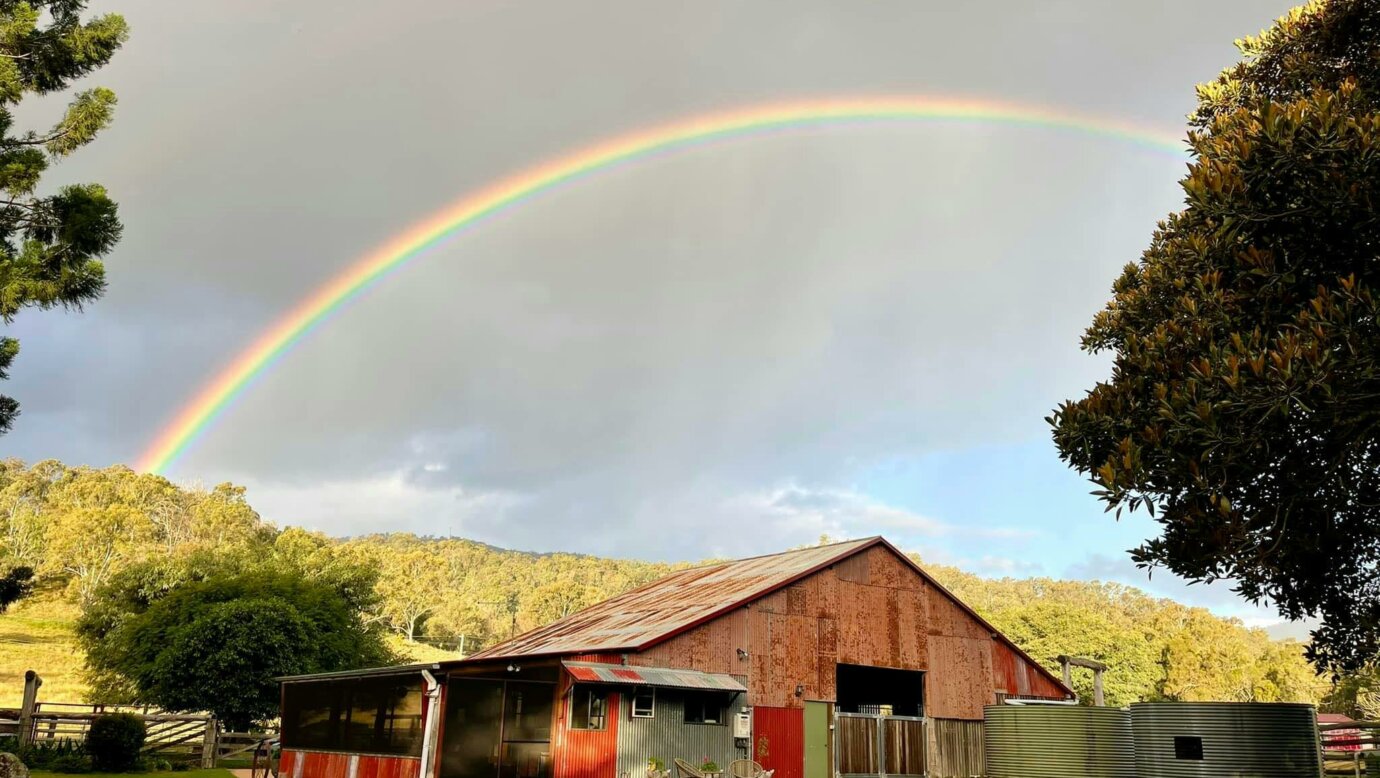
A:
(36, 634)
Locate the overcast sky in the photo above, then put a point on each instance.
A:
(727, 350)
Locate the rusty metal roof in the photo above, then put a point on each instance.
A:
(594, 672)
(641, 618)
(653, 612)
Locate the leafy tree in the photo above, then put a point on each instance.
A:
(1355, 694)
(50, 245)
(217, 643)
(1155, 649)
(411, 583)
(1243, 409)
(15, 585)
(1048, 629)
(23, 515)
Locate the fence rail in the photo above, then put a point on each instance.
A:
(1346, 745)
(174, 736)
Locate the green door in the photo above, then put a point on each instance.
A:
(817, 761)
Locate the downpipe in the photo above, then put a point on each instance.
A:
(433, 720)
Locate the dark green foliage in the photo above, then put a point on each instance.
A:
(114, 742)
(216, 639)
(70, 763)
(50, 245)
(15, 585)
(1243, 410)
(63, 755)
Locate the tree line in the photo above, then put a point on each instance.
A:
(136, 550)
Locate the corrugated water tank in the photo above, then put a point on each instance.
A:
(1058, 741)
(1225, 740)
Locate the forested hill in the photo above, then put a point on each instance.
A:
(80, 529)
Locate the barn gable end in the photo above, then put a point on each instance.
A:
(872, 608)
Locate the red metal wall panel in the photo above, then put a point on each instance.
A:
(318, 764)
(584, 753)
(388, 767)
(778, 740)
(1042, 686)
(285, 760)
(1018, 678)
(1006, 673)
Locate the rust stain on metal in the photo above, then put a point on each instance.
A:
(786, 620)
(959, 682)
(651, 676)
(663, 608)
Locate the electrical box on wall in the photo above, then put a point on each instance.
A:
(742, 725)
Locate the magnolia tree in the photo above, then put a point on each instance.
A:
(1243, 408)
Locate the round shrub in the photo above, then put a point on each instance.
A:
(114, 742)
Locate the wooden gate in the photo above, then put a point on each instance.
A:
(872, 745)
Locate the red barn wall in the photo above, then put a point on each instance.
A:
(869, 609)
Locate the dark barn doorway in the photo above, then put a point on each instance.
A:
(880, 691)
(879, 724)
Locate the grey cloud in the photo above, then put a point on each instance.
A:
(618, 366)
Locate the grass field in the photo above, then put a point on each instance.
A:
(37, 634)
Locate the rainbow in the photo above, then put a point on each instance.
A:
(221, 392)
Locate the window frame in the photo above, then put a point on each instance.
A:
(632, 703)
(591, 693)
(704, 701)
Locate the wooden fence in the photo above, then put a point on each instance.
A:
(1346, 746)
(957, 749)
(172, 736)
(874, 746)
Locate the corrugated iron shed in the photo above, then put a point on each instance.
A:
(591, 672)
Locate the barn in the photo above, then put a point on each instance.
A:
(837, 660)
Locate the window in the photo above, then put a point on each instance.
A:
(643, 702)
(703, 708)
(1188, 748)
(587, 708)
(358, 715)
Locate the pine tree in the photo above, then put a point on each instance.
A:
(50, 244)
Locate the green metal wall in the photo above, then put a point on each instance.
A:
(666, 736)
(1056, 741)
(817, 740)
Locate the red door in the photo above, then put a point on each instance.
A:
(778, 740)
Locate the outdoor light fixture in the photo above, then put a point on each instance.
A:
(513, 668)
(799, 690)
(742, 654)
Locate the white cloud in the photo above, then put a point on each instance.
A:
(393, 503)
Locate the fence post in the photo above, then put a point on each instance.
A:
(208, 744)
(26, 711)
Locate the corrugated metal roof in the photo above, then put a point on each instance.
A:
(664, 608)
(411, 669)
(670, 605)
(593, 672)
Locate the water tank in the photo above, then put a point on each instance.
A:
(1225, 740)
(1057, 741)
